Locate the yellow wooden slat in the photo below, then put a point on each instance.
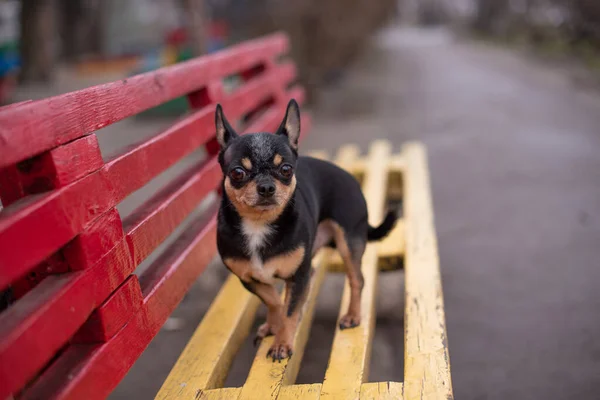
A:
(347, 158)
(368, 391)
(290, 392)
(216, 394)
(350, 354)
(205, 360)
(393, 244)
(426, 362)
(266, 377)
(320, 154)
(381, 391)
(300, 392)
(397, 163)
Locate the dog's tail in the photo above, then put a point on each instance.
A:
(381, 231)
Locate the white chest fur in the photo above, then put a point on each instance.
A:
(257, 237)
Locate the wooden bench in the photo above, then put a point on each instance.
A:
(79, 316)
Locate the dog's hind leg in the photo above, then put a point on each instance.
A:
(351, 249)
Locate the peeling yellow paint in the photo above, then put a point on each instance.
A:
(426, 361)
(351, 349)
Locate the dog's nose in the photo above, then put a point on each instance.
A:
(266, 189)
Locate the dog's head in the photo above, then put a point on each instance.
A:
(259, 168)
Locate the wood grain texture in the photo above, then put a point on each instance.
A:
(368, 391)
(351, 349)
(381, 391)
(94, 370)
(217, 394)
(426, 361)
(266, 378)
(300, 392)
(35, 127)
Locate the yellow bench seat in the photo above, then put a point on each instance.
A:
(202, 368)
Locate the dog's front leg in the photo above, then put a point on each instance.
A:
(268, 294)
(296, 290)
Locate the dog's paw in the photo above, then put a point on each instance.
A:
(280, 351)
(262, 332)
(349, 321)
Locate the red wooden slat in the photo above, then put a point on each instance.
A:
(154, 220)
(14, 105)
(40, 323)
(107, 319)
(51, 170)
(96, 370)
(55, 264)
(11, 185)
(75, 160)
(61, 215)
(57, 217)
(34, 127)
(96, 241)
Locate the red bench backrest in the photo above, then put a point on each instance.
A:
(81, 317)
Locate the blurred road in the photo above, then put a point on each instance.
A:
(514, 155)
(513, 150)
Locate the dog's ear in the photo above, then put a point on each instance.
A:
(290, 126)
(225, 132)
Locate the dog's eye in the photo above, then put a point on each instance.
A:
(286, 170)
(237, 174)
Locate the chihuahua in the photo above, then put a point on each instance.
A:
(277, 210)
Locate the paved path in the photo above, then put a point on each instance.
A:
(514, 150)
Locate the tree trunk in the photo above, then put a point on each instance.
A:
(38, 40)
(196, 25)
(81, 28)
(489, 13)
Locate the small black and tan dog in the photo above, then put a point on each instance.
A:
(277, 210)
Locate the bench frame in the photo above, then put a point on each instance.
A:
(80, 316)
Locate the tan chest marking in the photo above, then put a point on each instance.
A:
(282, 266)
